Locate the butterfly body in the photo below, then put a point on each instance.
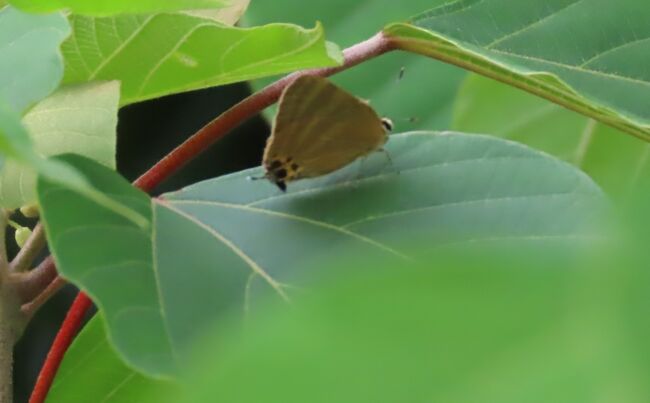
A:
(319, 128)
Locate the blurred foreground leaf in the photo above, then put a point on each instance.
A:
(486, 331)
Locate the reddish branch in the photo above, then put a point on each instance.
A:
(181, 155)
(67, 332)
(248, 108)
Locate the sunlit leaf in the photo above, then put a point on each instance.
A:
(228, 15)
(80, 119)
(156, 55)
(115, 6)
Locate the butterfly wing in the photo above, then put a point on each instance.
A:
(320, 128)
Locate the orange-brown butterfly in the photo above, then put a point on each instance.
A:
(318, 129)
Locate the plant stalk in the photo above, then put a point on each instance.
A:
(30, 250)
(11, 324)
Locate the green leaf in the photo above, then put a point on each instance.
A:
(156, 55)
(30, 61)
(103, 8)
(92, 371)
(228, 15)
(16, 144)
(221, 245)
(348, 22)
(80, 119)
(549, 48)
(449, 331)
(245, 239)
(615, 162)
(93, 246)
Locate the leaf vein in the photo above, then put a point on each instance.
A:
(234, 248)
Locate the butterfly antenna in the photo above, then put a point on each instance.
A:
(402, 70)
(412, 119)
(386, 122)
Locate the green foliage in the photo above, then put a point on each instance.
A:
(366, 322)
(93, 244)
(454, 330)
(16, 144)
(548, 48)
(30, 61)
(161, 54)
(92, 371)
(31, 67)
(80, 119)
(116, 6)
(228, 15)
(348, 22)
(615, 161)
(446, 188)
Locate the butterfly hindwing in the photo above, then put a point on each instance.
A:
(319, 128)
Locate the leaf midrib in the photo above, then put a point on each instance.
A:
(255, 267)
(302, 219)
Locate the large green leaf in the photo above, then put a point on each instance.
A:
(156, 55)
(587, 55)
(116, 6)
(221, 245)
(30, 61)
(80, 119)
(92, 371)
(462, 332)
(348, 22)
(445, 188)
(92, 245)
(616, 162)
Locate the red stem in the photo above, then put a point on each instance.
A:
(181, 155)
(64, 337)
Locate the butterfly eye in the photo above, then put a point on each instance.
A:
(388, 124)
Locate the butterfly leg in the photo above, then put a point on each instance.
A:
(388, 158)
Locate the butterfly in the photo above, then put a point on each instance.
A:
(320, 128)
